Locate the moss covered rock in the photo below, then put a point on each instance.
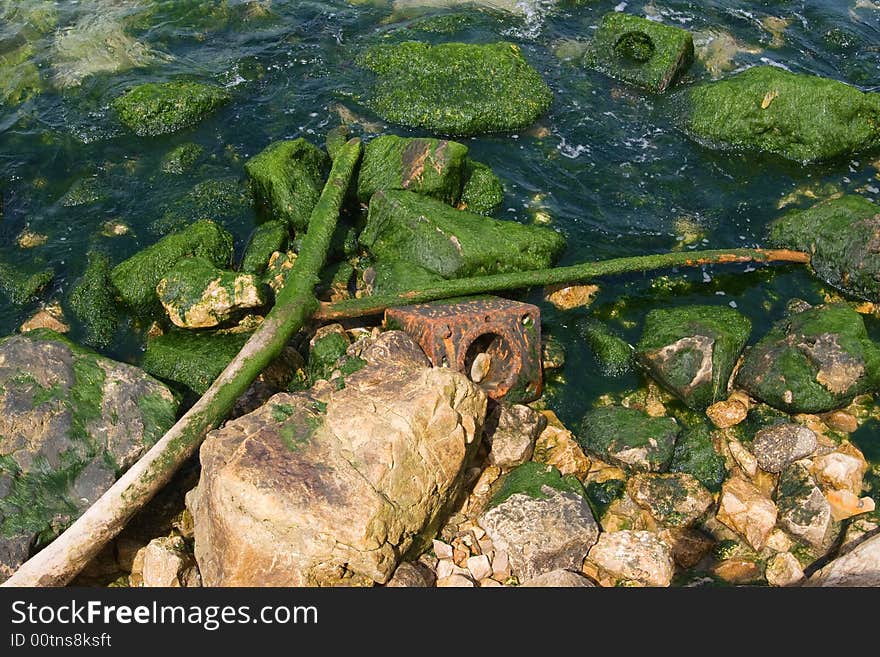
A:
(22, 287)
(224, 200)
(396, 276)
(431, 167)
(799, 117)
(92, 301)
(196, 294)
(814, 361)
(692, 350)
(19, 76)
(136, 278)
(71, 422)
(159, 108)
(181, 158)
(329, 359)
(191, 359)
(640, 51)
(286, 180)
(843, 237)
(613, 353)
(530, 478)
(451, 243)
(673, 500)
(482, 191)
(629, 438)
(455, 88)
(695, 454)
(267, 239)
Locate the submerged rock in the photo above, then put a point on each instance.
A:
(613, 353)
(181, 158)
(333, 491)
(22, 287)
(153, 108)
(799, 117)
(455, 88)
(640, 51)
(71, 422)
(19, 75)
(541, 520)
(814, 361)
(224, 200)
(629, 438)
(136, 278)
(842, 236)
(286, 180)
(453, 243)
(692, 350)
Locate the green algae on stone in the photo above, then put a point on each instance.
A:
(397, 276)
(180, 159)
(196, 294)
(842, 236)
(613, 353)
(813, 361)
(674, 500)
(136, 278)
(19, 76)
(640, 51)
(692, 350)
(92, 301)
(601, 494)
(325, 354)
(286, 180)
(336, 139)
(454, 243)
(455, 88)
(629, 438)
(482, 191)
(23, 287)
(695, 454)
(431, 167)
(220, 199)
(267, 238)
(191, 359)
(800, 117)
(85, 191)
(153, 108)
(530, 479)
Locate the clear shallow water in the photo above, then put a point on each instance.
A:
(605, 164)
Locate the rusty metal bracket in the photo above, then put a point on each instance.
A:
(496, 342)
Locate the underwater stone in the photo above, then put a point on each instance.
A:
(181, 158)
(267, 238)
(691, 351)
(137, 277)
(800, 117)
(613, 353)
(640, 51)
(813, 361)
(286, 179)
(19, 76)
(159, 108)
(629, 438)
(455, 88)
(219, 199)
(843, 237)
(191, 359)
(451, 243)
(196, 294)
(431, 167)
(482, 191)
(22, 287)
(92, 301)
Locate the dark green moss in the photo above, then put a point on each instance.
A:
(453, 243)
(640, 51)
(85, 191)
(843, 237)
(136, 278)
(221, 200)
(695, 454)
(431, 167)
(286, 180)
(92, 301)
(267, 238)
(158, 414)
(324, 355)
(613, 353)
(336, 139)
(181, 158)
(601, 495)
(158, 108)
(799, 117)
(396, 276)
(191, 359)
(677, 344)
(530, 478)
(482, 191)
(22, 287)
(629, 438)
(455, 88)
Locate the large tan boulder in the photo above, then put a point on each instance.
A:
(333, 488)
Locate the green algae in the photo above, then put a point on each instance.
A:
(220, 199)
(153, 109)
(85, 191)
(482, 191)
(286, 180)
(455, 88)
(268, 238)
(181, 159)
(23, 287)
(19, 76)
(695, 454)
(336, 139)
(396, 276)
(613, 353)
(324, 355)
(800, 117)
(629, 438)
(530, 478)
(158, 415)
(92, 301)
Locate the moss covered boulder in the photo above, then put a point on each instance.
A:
(268, 238)
(799, 117)
(432, 167)
(136, 278)
(692, 350)
(629, 438)
(22, 285)
(843, 237)
(286, 180)
(452, 243)
(455, 88)
(181, 159)
(159, 108)
(613, 354)
(695, 454)
(482, 191)
(93, 302)
(813, 361)
(191, 359)
(396, 276)
(196, 294)
(71, 422)
(639, 51)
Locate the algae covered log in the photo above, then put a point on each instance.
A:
(61, 560)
